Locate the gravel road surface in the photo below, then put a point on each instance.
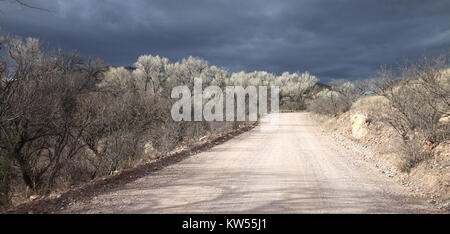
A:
(284, 166)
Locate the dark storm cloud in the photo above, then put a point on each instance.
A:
(332, 39)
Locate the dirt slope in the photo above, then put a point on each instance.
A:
(293, 169)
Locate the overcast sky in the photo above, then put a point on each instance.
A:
(330, 38)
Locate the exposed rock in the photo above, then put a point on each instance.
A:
(359, 129)
(444, 119)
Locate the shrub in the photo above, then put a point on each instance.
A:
(339, 97)
(417, 100)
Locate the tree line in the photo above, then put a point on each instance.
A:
(65, 120)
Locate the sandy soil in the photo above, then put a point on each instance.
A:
(285, 167)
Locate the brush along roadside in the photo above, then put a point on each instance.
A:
(55, 202)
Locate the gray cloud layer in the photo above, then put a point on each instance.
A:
(332, 39)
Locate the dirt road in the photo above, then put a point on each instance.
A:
(294, 168)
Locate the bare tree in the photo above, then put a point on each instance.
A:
(27, 5)
(418, 99)
(151, 69)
